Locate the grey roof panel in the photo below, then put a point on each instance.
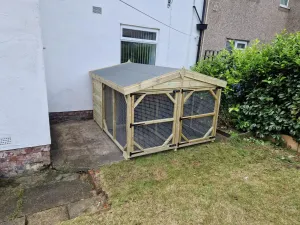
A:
(127, 74)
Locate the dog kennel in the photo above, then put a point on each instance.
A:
(146, 109)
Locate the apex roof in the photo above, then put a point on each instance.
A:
(125, 76)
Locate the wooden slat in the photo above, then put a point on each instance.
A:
(104, 125)
(197, 141)
(115, 141)
(154, 121)
(108, 83)
(97, 102)
(184, 137)
(152, 150)
(151, 82)
(213, 94)
(175, 117)
(171, 98)
(139, 100)
(168, 140)
(128, 129)
(132, 121)
(114, 114)
(139, 147)
(180, 113)
(103, 106)
(187, 83)
(208, 132)
(206, 79)
(217, 107)
(188, 96)
(198, 116)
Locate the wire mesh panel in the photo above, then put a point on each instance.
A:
(196, 128)
(121, 111)
(108, 104)
(153, 107)
(200, 102)
(153, 135)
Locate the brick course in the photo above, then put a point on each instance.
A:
(18, 161)
(59, 117)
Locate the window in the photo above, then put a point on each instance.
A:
(138, 45)
(284, 3)
(238, 44)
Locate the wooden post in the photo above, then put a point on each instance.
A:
(103, 105)
(129, 132)
(180, 113)
(177, 115)
(217, 107)
(114, 114)
(175, 122)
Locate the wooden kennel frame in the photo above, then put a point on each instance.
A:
(165, 87)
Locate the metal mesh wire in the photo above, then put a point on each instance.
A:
(153, 107)
(121, 111)
(201, 102)
(153, 135)
(108, 108)
(196, 128)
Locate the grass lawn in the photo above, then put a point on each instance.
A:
(233, 182)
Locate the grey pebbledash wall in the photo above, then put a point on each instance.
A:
(17, 161)
(247, 20)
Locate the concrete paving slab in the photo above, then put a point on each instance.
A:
(90, 205)
(51, 195)
(81, 145)
(17, 221)
(49, 217)
(8, 203)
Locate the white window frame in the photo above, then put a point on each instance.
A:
(140, 40)
(236, 42)
(285, 6)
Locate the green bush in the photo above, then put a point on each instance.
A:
(263, 92)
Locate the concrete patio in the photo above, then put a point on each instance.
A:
(81, 145)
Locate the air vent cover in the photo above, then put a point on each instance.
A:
(5, 141)
(97, 10)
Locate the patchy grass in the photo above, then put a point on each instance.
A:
(234, 182)
(19, 192)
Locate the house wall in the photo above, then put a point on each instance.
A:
(293, 22)
(76, 41)
(246, 20)
(24, 122)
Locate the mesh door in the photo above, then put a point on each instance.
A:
(108, 103)
(153, 135)
(153, 107)
(196, 128)
(121, 111)
(199, 103)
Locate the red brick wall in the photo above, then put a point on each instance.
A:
(17, 161)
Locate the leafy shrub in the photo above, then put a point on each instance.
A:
(263, 91)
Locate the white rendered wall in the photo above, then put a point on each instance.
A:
(77, 41)
(23, 96)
